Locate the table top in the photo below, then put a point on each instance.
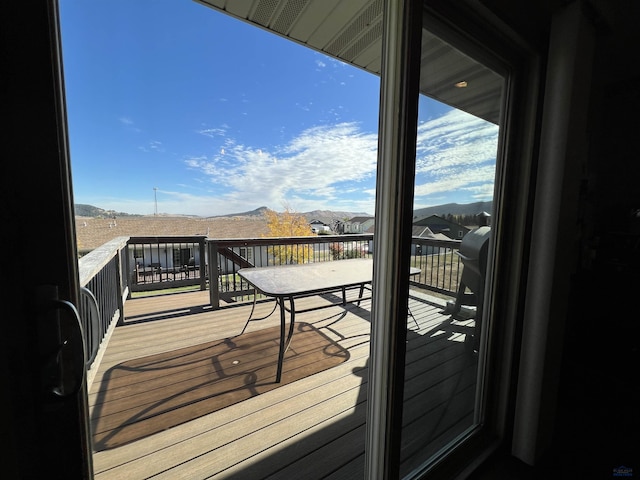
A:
(308, 278)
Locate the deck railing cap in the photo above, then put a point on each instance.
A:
(90, 264)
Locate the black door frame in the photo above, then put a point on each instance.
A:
(47, 429)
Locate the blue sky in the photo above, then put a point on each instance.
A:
(222, 117)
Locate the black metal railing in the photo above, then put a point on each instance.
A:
(227, 256)
(103, 290)
(440, 265)
(154, 263)
(437, 259)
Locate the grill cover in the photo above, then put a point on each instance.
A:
(473, 253)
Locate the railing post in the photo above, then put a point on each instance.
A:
(127, 274)
(214, 293)
(119, 282)
(203, 264)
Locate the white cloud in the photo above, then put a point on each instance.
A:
(129, 124)
(461, 180)
(213, 132)
(153, 146)
(456, 152)
(310, 169)
(334, 167)
(328, 167)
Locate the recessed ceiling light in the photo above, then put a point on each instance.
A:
(461, 84)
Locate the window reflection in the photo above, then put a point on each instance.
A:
(457, 143)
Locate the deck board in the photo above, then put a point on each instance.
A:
(314, 426)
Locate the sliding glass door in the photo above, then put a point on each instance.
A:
(456, 153)
(439, 394)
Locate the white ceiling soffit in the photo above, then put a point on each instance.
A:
(351, 31)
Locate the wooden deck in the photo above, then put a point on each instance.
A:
(311, 428)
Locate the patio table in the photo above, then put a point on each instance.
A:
(287, 282)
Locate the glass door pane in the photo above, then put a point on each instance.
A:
(457, 145)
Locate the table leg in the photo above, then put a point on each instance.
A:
(361, 293)
(253, 307)
(284, 343)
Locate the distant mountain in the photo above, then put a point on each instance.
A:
(258, 212)
(454, 209)
(327, 216)
(83, 210)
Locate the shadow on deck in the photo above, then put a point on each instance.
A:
(310, 427)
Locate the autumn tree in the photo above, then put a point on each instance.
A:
(289, 224)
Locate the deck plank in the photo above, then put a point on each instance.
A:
(240, 420)
(283, 430)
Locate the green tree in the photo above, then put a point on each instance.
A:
(289, 224)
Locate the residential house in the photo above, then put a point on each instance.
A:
(356, 225)
(318, 226)
(439, 225)
(560, 398)
(418, 248)
(425, 232)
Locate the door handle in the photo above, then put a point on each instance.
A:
(76, 343)
(63, 362)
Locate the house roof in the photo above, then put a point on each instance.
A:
(436, 221)
(91, 232)
(425, 232)
(419, 231)
(360, 219)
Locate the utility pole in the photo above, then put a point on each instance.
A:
(155, 198)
